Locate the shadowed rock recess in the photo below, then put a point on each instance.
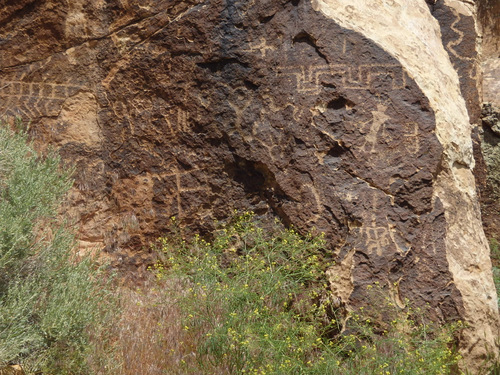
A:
(343, 117)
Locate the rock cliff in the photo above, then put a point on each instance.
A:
(351, 118)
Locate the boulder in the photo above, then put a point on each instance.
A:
(351, 118)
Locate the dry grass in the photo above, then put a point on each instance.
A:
(148, 338)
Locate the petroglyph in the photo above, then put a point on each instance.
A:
(181, 185)
(377, 239)
(452, 45)
(376, 129)
(33, 99)
(318, 213)
(406, 135)
(364, 76)
(43, 90)
(239, 100)
(308, 78)
(259, 46)
(372, 128)
(176, 120)
(460, 37)
(411, 139)
(428, 243)
(375, 234)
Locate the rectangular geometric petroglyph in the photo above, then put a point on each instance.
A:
(363, 76)
(410, 138)
(308, 77)
(184, 185)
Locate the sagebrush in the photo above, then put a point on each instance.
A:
(50, 299)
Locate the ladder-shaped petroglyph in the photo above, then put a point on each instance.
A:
(33, 99)
(308, 78)
(411, 139)
(177, 120)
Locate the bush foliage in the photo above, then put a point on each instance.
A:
(49, 299)
(256, 302)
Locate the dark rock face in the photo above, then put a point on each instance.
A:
(459, 38)
(206, 107)
(490, 188)
(194, 108)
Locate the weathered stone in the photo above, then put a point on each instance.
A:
(457, 23)
(345, 117)
(490, 189)
(491, 117)
(489, 25)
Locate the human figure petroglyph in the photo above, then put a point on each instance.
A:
(376, 129)
(239, 100)
(372, 128)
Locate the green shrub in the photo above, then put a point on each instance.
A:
(256, 302)
(49, 299)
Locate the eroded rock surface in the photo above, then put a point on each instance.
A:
(489, 22)
(336, 116)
